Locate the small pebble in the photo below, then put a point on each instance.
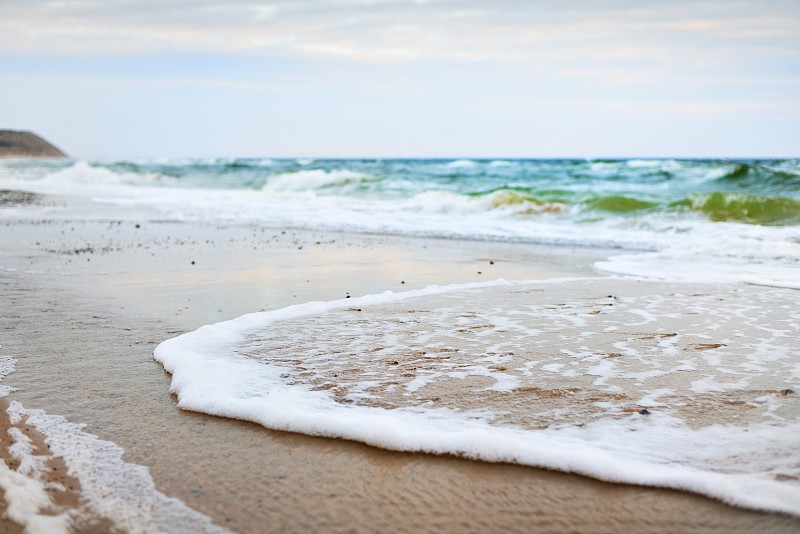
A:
(644, 412)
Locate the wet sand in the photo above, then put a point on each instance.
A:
(85, 303)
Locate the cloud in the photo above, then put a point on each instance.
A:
(510, 67)
(387, 31)
(584, 47)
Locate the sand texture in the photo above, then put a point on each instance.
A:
(85, 303)
(576, 351)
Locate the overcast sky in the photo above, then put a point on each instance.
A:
(391, 78)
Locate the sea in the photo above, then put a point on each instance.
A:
(680, 369)
(670, 218)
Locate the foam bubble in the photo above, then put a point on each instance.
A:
(27, 498)
(643, 163)
(112, 488)
(122, 492)
(501, 163)
(751, 256)
(442, 202)
(320, 369)
(462, 163)
(6, 368)
(84, 173)
(621, 204)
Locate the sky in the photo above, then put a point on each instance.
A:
(410, 78)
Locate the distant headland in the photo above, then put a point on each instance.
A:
(20, 144)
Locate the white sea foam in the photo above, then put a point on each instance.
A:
(701, 268)
(661, 164)
(111, 488)
(639, 163)
(462, 163)
(501, 163)
(443, 202)
(747, 254)
(84, 173)
(27, 497)
(685, 248)
(262, 162)
(6, 368)
(312, 180)
(291, 369)
(693, 247)
(721, 172)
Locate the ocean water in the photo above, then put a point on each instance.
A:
(678, 367)
(555, 374)
(693, 219)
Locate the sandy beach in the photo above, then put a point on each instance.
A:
(86, 302)
(399, 266)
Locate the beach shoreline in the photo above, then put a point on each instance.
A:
(90, 299)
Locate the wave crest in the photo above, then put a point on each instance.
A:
(619, 204)
(502, 200)
(461, 163)
(84, 173)
(741, 207)
(315, 179)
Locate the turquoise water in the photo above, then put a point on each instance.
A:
(758, 192)
(739, 219)
(728, 225)
(765, 192)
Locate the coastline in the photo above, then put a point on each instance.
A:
(92, 299)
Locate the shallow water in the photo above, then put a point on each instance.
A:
(91, 294)
(622, 380)
(249, 478)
